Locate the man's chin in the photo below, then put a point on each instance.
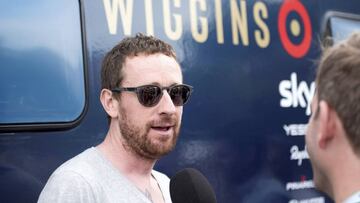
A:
(154, 155)
(158, 150)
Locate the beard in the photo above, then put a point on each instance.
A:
(138, 141)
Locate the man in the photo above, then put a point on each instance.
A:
(143, 95)
(333, 134)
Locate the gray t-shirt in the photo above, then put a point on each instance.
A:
(89, 177)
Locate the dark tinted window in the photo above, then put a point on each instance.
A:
(41, 62)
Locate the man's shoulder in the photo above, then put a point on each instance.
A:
(72, 180)
(82, 163)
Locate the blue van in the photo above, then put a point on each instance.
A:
(252, 64)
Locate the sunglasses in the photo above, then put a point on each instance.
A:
(150, 95)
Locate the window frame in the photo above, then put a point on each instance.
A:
(326, 29)
(56, 126)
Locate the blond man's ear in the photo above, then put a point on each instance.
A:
(327, 124)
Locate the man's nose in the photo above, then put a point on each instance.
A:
(166, 105)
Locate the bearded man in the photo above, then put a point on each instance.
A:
(143, 94)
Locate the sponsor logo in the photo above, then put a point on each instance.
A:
(310, 200)
(295, 129)
(288, 7)
(295, 93)
(298, 155)
(206, 19)
(306, 184)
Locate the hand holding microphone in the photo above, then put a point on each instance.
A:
(190, 186)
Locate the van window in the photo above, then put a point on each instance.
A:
(342, 27)
(41, 62)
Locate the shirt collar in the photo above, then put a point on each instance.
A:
(354, 198)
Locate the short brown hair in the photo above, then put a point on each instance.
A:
(338, 83)
(111, 75)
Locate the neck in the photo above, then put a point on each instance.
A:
(346, 176)
(136, 168)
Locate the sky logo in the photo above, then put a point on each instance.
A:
(296, 93)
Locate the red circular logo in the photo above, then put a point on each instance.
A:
(295, 50)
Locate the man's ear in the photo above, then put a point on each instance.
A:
(327, 121)
(109, 104)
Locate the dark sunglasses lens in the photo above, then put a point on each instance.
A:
(149, 95)
(179, 94)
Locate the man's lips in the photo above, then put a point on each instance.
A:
(164, 125)
(162, 128)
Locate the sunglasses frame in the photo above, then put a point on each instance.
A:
(138, 89)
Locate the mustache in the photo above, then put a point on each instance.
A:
(165, 120)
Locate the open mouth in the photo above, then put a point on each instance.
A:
(161, 128)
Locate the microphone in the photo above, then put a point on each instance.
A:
(190, 186)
